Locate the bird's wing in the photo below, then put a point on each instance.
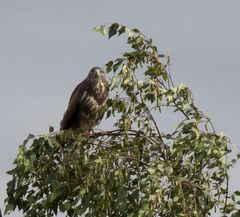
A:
(76, 99)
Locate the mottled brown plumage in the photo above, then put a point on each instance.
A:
(86, 105)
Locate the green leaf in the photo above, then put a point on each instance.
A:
(30, 136)
(112, 30)
(109, 66)
(101, 29)
(237, 193)
(152, 171)
(67, 206)
(117, 64)
(109, 112)
(9, 207)
(113, 82)
(51, 129)
(122, 30)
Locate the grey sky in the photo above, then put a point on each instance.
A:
(47, 47)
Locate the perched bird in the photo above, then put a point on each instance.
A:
(86, 105)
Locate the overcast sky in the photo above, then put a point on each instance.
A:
(48, 47)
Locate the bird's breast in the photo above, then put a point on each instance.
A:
(101, 92)
(100, 87)
(92, 103)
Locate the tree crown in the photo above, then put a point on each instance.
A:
(135, 169)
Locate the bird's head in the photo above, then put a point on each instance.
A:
(97, 73)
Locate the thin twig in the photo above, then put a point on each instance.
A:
(156, 127)
(226, 196)
(133, 158)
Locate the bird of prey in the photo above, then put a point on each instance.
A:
(86, 105)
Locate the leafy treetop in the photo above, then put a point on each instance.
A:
(135, 169)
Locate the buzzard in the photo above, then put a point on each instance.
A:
(86, 105)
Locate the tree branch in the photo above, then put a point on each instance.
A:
(226, 196)
(135, 159)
